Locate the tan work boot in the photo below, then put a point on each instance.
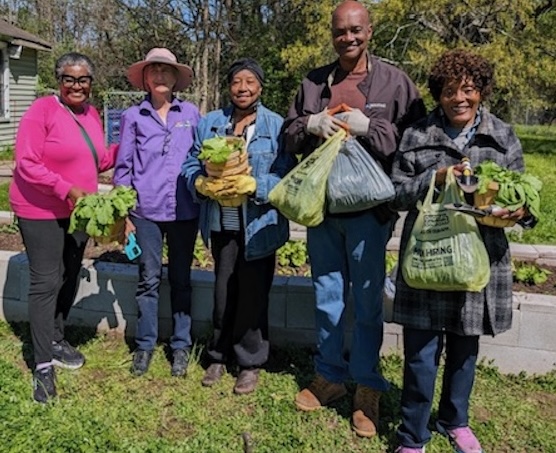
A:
(365, 411)
(319, 393)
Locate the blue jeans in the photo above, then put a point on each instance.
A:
(180, 237)
(422, 352)
(344, 250)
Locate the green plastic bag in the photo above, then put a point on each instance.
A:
(445, 251)
(300, 195)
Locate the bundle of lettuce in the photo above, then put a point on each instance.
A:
(225, 156)
(515, 189)
(217, 150)
(96, 214)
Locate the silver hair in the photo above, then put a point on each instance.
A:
(73, 59)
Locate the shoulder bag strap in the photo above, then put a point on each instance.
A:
(84, 134)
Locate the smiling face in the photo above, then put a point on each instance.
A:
(351, 32)
(460, 101)
(245, 89)
(75, 94)
(160, 79)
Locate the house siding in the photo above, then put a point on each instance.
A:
(23, 84)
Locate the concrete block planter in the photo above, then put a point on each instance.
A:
(106, 301)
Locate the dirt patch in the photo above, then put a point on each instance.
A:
(113, 253)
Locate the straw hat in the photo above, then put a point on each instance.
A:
(160, 55)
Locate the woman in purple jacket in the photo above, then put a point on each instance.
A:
(156, 137)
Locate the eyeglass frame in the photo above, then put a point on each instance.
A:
(82, 83)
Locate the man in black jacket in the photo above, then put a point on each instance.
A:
(350, 248)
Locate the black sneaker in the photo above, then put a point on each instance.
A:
(141, 362)
(44, 386)
(180, 360)
(65, 355)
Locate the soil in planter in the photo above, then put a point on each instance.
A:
(113, 253)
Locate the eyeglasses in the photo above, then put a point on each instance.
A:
(69, 81)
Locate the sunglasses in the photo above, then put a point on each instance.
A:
(69, 81)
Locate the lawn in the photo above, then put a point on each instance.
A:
(4, 201)
(102, 408)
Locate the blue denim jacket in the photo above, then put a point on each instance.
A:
(265, 228)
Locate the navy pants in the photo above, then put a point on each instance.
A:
(422, 352)
(180, 237)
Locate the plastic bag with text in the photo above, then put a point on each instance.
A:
(445, 250)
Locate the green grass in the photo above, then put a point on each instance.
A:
(102, 408)
(537, 139)
(7, 153)
(4, 201)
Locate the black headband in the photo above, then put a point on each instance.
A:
(250, 65)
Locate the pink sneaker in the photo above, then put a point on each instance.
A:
(402, 449)
(463, 439)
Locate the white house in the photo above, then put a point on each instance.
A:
(18, 77)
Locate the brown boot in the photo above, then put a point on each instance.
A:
(213, 374)
(365, 411)
(319, 393)
(246, 381)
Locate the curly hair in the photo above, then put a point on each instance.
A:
(459, 64)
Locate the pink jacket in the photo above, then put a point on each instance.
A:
(51, 157)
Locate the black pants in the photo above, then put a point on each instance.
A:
(54, 265)
(241, 296)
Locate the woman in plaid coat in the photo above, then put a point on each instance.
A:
(459, 127)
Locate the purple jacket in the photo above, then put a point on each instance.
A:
(150, 158)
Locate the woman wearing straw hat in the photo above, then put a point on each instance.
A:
(156, 137)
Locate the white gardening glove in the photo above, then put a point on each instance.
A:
(323, 125)
(358, 123)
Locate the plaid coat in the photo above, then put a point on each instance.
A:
(424, 148)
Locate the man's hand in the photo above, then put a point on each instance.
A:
(237, 185)
(357, 122)
(323, 125)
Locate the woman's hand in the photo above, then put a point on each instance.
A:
(75, 194)
(441, 173)
(129, 227)
(505, 213)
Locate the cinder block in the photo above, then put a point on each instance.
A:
(278, 302)
(537, 331)
(508, 338)
(300, 306)
(391, 343)
(523, 252)
(546, 252)
(540, 303)
(11, 264)
(511, 359)
(13, 310)
(287, 336)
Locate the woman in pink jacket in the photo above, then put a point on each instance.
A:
(59, 152)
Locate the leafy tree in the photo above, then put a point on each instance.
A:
(516, 36)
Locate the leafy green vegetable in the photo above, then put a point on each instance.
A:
(530, 274)
(217, 150)
(515, 189)
(97, 213)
